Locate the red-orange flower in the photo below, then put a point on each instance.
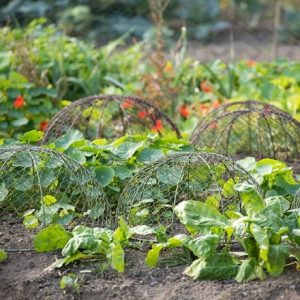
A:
(43, 125)
(204, 109)
(250, 63)
(184, 111)
(142, 114)
(216, 104)
(19, 102)
(127, 104)
(206, 86)
(158, 126)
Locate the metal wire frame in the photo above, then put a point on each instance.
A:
(296, 202)
(29, 173)
(110, 116)
(258, 131)
(151, 195)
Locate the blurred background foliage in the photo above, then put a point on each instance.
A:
(102, 20)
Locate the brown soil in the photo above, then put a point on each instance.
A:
(23, 276)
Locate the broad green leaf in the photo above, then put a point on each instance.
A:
(3, 191)
(249, 270)
(51, 238)
(123, 232)
(198, 216)
(48, 200)
(142, 230)
(3, 255)
(153, 255)
(219, 266)
(117, 257)
(68, 139)
(32, 136)
(127, 149)
(169, 175)
(277, 257)
(104, 175)
(70, 281)
(30, 221)
(149, 155)
(20, 122)
(203, 246)
(261, 237)
(248, 163)
(252, 201)
(122, 172)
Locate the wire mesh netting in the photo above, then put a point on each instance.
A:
(151, 195)
(250, 128)
(296, 202)
(110, 117)
(50, 184)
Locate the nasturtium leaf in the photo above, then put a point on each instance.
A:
(122, 172)
(203, 246)
(51, 238)
(117, 257)
(198, 216)
(277, 257)
(127, 149)
(153, 255)
(20, 122)
(104, 175)
(49, 200)
(250, 270)
(68, 139)
(149, 155)
(30, 222)
(3, 255)
(3, 191)
(32, 136)
(23, 183)
(47, 177)
(169, 175)
(218, 266)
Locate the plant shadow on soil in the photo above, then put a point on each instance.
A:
(23, 276)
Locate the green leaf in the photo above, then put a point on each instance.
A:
(127, 149)
(142, 230)
(250, 270)
(153, 255)
(122, 172)
(203, 246)
(117, 257)
(70, 281)
(104, 175)
(20, 122)
(48, 200)
(248, 163)
(149, 155)
(219, 266)
(261, 237)
(3, 191)
(68, 139)
(252, 201)
(3, 255)
(51, 238)
(169, 175)
(277, 257)
(32, 136)
(30, 222)
(198, 216)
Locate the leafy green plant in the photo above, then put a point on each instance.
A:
(70, 281)
(234, 245)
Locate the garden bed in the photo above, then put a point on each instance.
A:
(23, 276)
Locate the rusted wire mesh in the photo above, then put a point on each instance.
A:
(110, 117)
(250, 128)
(151, 195)
(52, 186)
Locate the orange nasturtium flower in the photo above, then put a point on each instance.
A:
(250, 63)
(206, 87)
(43, 126)
(216, 104)
(19, 102)
(184, 111)
(127, 104)
(204, 109)
(142, 114)
(158, 126)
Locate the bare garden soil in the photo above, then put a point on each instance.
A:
(23, 276)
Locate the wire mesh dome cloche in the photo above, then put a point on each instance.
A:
(109, 116)
(250, 128)
(49, 187)
(151, 195)
(296, 202)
